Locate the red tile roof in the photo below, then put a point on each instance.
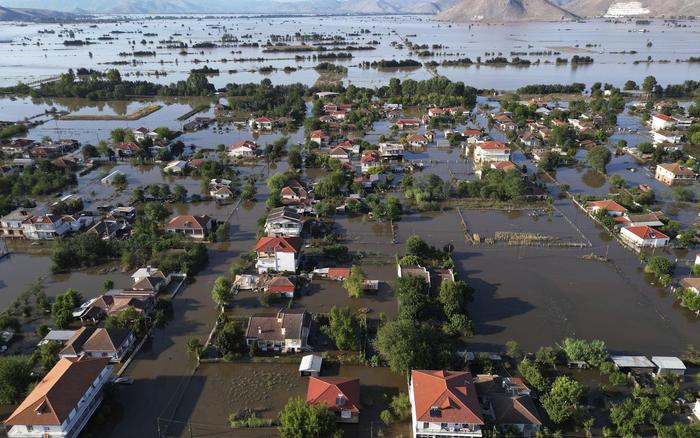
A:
(492, 145)
(608, 205)
(279, 244)
(330, 390)
(646, 232)
(663, 117)
(338, 272)
(445, 397)
(280, 285)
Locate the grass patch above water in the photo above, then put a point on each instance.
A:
(136, 115)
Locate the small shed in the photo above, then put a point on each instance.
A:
(638, 364)
(668, 365)
(310, 365)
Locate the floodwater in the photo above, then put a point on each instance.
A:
(32, 55)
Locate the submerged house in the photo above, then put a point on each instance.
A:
(340, 395)
(286, 332)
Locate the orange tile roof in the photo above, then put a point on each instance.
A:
(279, 244)
(492, 145)
(326, 391)
(607, 204)
(646, 232)
(55, 396)
(188, 221)
(451, 392)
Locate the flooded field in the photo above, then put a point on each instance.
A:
(217, 390)
(615, 47)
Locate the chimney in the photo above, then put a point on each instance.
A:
(259, 330)
(284, 331)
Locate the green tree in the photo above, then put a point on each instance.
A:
(598, 157)
(561, 403)
(532, 374)
(404, 346)
(15, 377)
(130, 319)
(344, 328)
(594, 352)
(659, 265)
(62, 307)
(221, 293)
(47, 354)
(231, 338)
(454, 296)
(417, 247)
(355, 282)
(649, 84)
(299, 419)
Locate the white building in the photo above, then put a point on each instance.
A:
(278, 254)
(661, 121)
(284, 222)
(63, 401)
(644, 236)
(491, 151)
(668, 365)
(45, 227)
(444, 404)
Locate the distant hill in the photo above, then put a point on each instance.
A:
(643, 8)
(23, 14)
(505, 10)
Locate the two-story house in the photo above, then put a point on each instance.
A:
(45, 227)
(63, 401)
(444, 404)
(287, 331)
(491, 151)
(11, 225)
(284, 222)
(674, 173)
(99, 342)
(278, 254)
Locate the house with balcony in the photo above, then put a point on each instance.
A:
(47, 227)
(491, 151)
(11, 225)
(99, 342)
(340, 395)
(674, 173)
(391, 151)
(370, 160)
(278, 254)
(61, 404)
(444, 404)
(284, 222)
(287, 331)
